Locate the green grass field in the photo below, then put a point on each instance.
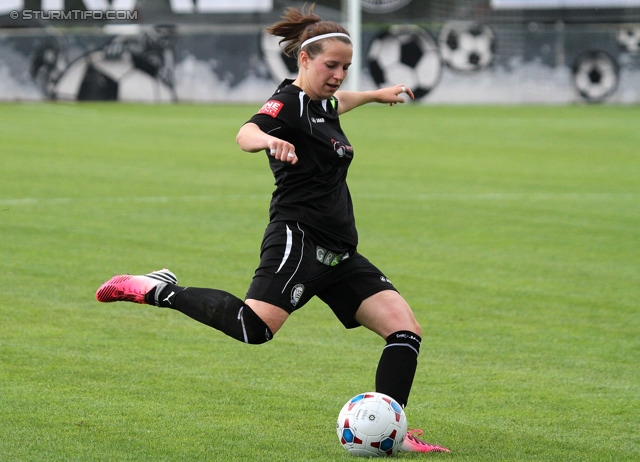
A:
(514, 232)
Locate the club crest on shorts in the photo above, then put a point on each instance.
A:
(296, 293)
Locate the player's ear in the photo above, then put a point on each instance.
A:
(303, 59)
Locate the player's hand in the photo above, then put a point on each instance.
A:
(394, 95)
(283, 151)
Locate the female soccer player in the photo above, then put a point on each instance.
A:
(309, 247)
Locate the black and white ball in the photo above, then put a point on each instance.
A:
(629, 37)
(467, 46)
(405, 54)
(595, 75)
(136, 65)
(96, 77)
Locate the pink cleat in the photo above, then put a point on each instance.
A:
(128, 288)
(413, 443)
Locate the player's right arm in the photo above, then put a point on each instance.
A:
(251, 138)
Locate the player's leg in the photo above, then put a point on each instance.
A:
(254, 321)
(225, 312)
(360, 294)
(389, 315)
(215, 308)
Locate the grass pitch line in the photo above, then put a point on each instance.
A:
(30, 201)
(27, 201)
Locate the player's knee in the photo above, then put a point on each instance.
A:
(254, 330)
(410, 323)
(407, 321)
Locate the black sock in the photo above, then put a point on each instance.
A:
(215, 308)
(397, 366)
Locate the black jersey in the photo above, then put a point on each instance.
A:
(314, 191)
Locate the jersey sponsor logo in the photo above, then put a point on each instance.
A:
(272, 108)
(317, 120)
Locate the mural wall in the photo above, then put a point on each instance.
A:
(449, 52)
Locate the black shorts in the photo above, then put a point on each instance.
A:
(293, 269)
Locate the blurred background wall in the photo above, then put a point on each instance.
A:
(448, 51)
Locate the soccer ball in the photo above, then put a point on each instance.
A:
(129, 68)
(408, 55)
(95, 77)
(629, 38)
(467, 46)
(371, 425)
(595, 75)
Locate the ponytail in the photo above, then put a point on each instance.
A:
(298, 26)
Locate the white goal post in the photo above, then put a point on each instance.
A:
(352, 17)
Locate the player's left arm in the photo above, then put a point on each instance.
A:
(389, 95)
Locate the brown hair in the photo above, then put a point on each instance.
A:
(300, 25)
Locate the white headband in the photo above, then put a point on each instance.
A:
(323, 36)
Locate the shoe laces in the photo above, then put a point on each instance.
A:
(414, 434)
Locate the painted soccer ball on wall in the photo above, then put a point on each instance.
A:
(405, 54)
(467, 46)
